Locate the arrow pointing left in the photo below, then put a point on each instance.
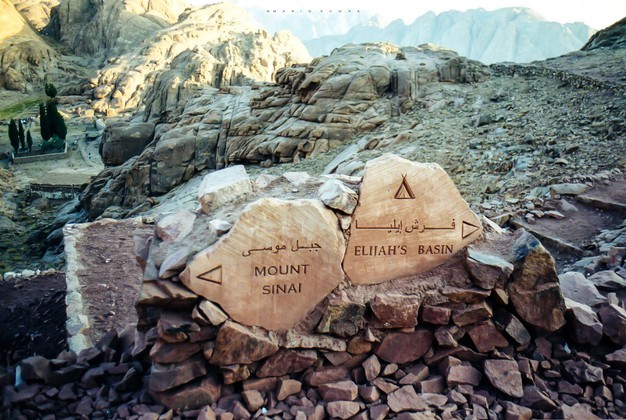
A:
(214, 275)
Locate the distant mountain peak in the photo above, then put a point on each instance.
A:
(517, 34)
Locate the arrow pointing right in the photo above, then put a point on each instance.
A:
(467, 229)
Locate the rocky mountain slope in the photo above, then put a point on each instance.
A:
(310, 110)
(24, 58)
(214, 45)
(612, 37)
(37, 12)
(507, 34)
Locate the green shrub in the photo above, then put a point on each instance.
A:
(14, 135)
(43, 122)
(51, 91)
(55, 144)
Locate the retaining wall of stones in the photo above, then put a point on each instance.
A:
(443, 343)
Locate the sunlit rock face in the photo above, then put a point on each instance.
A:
(24, 57)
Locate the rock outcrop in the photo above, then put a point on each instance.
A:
(109, 28)
(160, 54)
(612, 37)
(37, 12)
(308, 111)
(24, 58)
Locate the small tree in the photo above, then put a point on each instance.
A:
(51, 91)
(21, 135)
(43, 123)
(51, 117)
(14, 135)
(29, 141)
(60, 127)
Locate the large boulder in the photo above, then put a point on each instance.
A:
(534, 285)
(121, 142)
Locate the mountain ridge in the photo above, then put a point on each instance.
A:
(508, 34)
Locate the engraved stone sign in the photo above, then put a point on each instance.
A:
(280, 259)
(410, 218)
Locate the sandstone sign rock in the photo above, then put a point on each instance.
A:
(276, 264)
(410, 219)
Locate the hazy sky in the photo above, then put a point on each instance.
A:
(595, 13)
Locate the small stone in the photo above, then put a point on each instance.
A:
(239, 411)
(555, 214)
(297, 178)
(174, 263)
(582, 323)
(339, 391)
(264, 385)
(472, 314)
(84, 407)
(326, 375)
(504, 375)
(164, 353)
(378, 412)
(193, 395)
(448, 336)
(512, 327)
(223, 186)
(212, 312)
(372, 367)
(582, 372)
(164, 377)
(173, 327)
(358, 345)
(534, 398)
(569, 189)
(342, 409)
(342, 317)
(253, 399)
(435, 384)
(369, 394)
(614, 321)
(434, 400)
(516, 412)
(234, 373)
(436, 315)
(608, 280)
(287, 361)
(264, 180)
(486, 337)
(617, 358)
(396, 311)
(405, 399)
(576, 287)
(336, 195)
(401, 348)
(461, 374)
(384, 385)
(487, 270)
(173, 227)
(576, 412)
(36, 368)
(465, 295)
(220, 226)
(237, 344)
(66, 393)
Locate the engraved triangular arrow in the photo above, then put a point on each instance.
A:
(467, 229)
(214, 275)
(404, 191)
